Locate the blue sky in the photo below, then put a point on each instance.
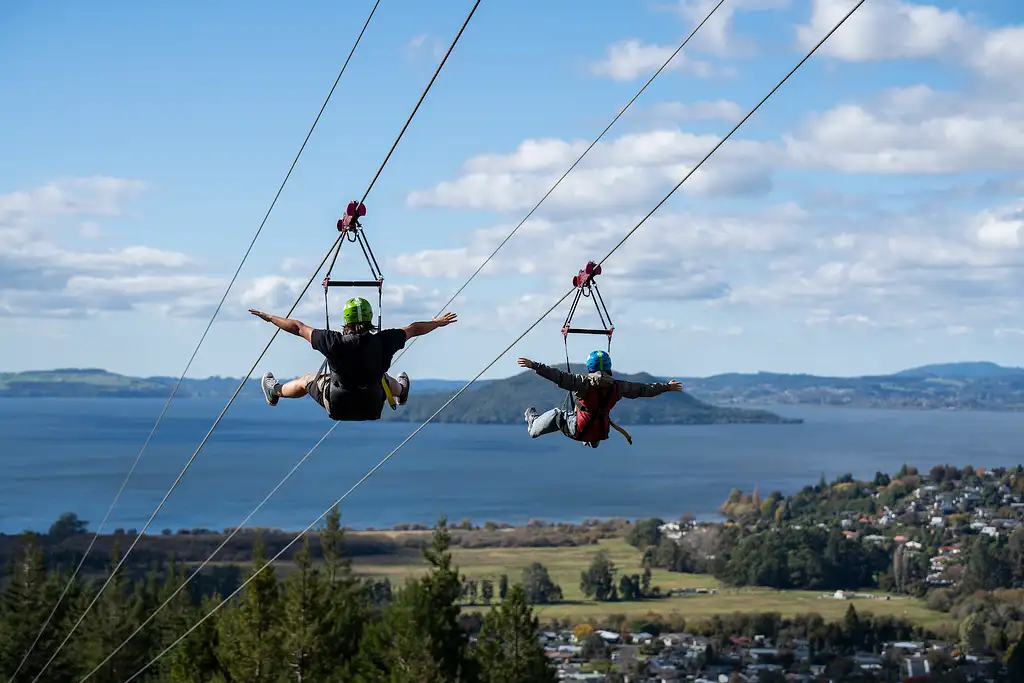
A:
(868, 218)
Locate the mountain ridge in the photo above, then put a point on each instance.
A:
(967, 385)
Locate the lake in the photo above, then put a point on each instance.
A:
(72, 455)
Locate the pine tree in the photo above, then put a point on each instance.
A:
(503, 586)
(194, 660)
(346, 610)
(26, 602)
(442, 587)
(509, 648)
(397, 647)
(305, 608)
(250, 647)
(114, 618)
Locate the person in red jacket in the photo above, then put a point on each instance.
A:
(597, 392)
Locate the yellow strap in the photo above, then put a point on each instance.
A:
(622, 431)
(387, 392)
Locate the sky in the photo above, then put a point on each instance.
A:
(866, 219)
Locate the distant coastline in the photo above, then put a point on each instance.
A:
(979, 386)
(493, 402)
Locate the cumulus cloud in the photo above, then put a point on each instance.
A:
(718, 35)
(893, 29)
(629, 170)
(886, 29)
(42, 275)
(913, 130)
(630, 59)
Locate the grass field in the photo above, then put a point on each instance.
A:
(565, 565)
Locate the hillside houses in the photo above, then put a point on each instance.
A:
(683, 657)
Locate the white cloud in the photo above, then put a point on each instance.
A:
(628, 171)
(886, 29)
(913, 130)
(626, 60)
(717, 35)
(720, 110)
(892, 29)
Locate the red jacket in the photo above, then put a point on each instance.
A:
(596, 394)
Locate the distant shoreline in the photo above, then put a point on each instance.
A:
(716, 399)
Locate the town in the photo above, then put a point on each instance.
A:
(944, 523)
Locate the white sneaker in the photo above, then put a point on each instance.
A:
(403, 395)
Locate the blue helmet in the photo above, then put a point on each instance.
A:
(599, 360)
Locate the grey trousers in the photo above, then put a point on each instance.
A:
(554, 420)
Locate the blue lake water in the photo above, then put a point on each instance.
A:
(72, 455)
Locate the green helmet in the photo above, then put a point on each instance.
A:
(358, 310)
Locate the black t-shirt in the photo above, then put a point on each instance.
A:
(357, 363)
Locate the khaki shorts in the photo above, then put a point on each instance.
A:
(317, 387)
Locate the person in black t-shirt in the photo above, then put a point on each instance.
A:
(356, 359)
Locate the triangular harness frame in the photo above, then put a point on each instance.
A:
(352, 231)
(586, 287)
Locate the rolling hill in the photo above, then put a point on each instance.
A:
(504, 402)
(959, 386)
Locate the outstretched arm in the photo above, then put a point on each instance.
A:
(289, 325)
(421, 328)
(643, 390)
(565, 380)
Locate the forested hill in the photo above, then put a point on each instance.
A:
(504, 402)
(960, 386)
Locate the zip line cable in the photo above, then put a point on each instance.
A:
(241, 385)
(489, 365)
(205, 562)
(177, 385)
(569, 170)
(309, 453)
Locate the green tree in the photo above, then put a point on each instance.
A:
(449, 643)
(418, 636)
(645, 583)
(983, 571)
(598, 581)
(305, 610)
(487, 591)
(645, 533)
(509, 648)
(348, 605)
(116, 615)
(26, 601)
(972, 634)
(195, 660)
(538, 586)
(503, 586)
(250, 641)
(66, 526)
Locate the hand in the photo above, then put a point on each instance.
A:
(260, 314)
(525, 363)
(674, 385)
(446, 319)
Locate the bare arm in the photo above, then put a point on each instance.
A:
(565, 380)
(421, 328)
(645, 390)
(289, 325)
